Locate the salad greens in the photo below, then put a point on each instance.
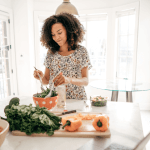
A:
(45, 93)
(29, 119)
(99, 103)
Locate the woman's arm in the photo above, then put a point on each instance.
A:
(60, 79)
(46, 77)
(81, 81)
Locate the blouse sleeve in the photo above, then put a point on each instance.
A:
(48, 60)
(85, 59)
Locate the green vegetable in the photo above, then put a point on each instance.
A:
(68, 123)
(29, 119)
(99, 124)
(7, 107)
(45, 93)
(99, 103)
(15, 101)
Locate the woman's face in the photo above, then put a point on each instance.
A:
(59, 34)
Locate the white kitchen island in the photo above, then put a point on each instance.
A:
(125, 127)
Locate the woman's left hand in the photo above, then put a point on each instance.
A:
(60, 79)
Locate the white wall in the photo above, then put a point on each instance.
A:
(6, 3)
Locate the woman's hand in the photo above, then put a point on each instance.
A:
(61, 79)
(36, 76)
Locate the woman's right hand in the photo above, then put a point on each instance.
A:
(37, 73)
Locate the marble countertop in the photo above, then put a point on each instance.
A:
(125, 127)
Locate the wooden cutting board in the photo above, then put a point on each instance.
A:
(86, 130)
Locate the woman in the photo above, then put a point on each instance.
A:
(61, 35)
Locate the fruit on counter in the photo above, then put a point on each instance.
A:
(71, 124)
(101, 123)
(1, 129)
(45, 93)
(29, 119)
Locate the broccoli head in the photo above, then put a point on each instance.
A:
(7, 107)
(15, 101)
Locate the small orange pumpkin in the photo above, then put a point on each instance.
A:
(101, 123)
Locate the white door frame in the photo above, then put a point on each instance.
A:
(14, 83)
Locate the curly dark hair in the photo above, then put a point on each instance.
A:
(75, 31)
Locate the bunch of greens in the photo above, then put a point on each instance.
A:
(45, 93)
(31, 119)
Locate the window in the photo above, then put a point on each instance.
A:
(95, 42)
(5, 81)
(125, 24)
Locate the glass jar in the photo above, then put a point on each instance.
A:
(61, 90)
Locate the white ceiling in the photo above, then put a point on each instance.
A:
(109, 3)
(99, 1)
(72, 1)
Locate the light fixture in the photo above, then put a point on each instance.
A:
(66, 6)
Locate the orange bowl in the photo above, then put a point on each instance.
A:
(49, 102)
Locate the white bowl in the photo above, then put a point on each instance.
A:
(5, 125)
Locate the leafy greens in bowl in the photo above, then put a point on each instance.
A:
(45, 93)
(98, 101)
(49, 102)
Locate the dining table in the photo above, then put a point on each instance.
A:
(125, 127)
(120, 85)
